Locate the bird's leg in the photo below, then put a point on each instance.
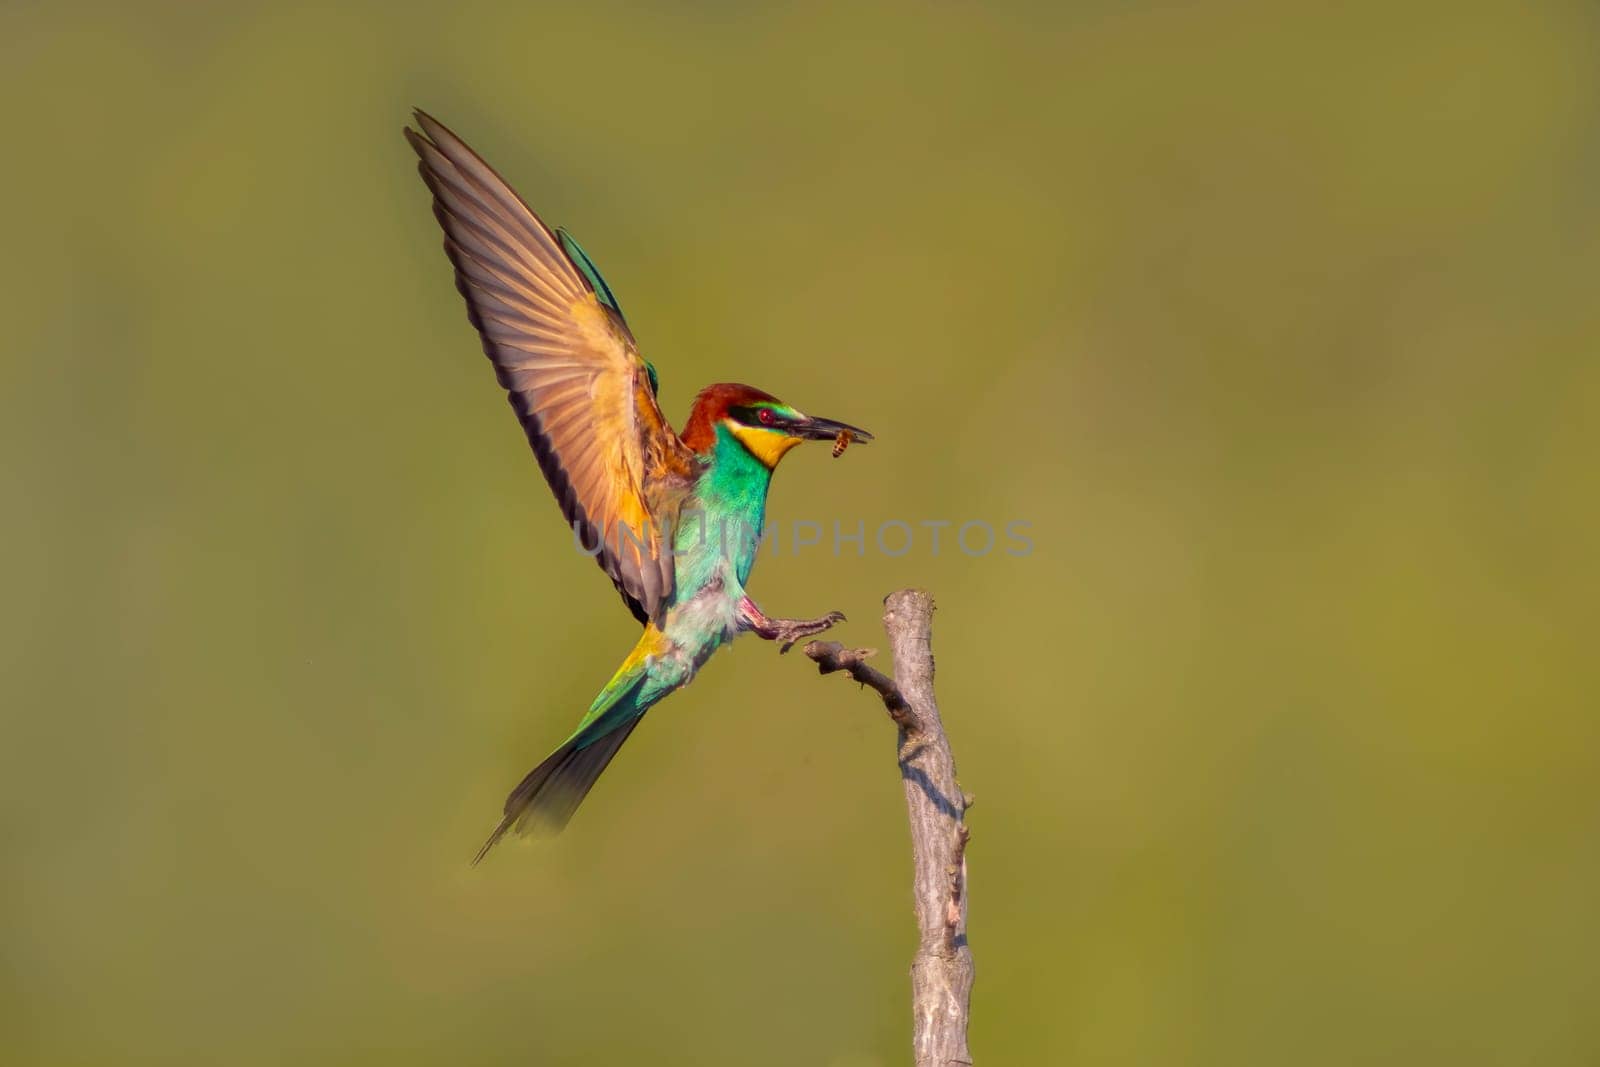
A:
(787, 631)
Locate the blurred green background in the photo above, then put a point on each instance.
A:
(1276, 321)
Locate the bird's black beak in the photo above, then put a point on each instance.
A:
(814, 429)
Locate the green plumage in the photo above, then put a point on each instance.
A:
(581, 260)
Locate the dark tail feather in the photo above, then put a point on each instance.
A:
(552, 791)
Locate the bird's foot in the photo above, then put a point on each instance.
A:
(789, 631)
(786, 631)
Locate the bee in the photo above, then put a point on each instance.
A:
(841, 443)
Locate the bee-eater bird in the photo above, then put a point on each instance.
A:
(669, 517)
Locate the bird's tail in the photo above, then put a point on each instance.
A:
(546, 799)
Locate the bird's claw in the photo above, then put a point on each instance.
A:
(790, 631)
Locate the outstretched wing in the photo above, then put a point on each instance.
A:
(569, 365)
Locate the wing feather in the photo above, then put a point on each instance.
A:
(570, 368)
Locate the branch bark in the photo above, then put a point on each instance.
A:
(941, 970)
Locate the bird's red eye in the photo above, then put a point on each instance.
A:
(765, 415)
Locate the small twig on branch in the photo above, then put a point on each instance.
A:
(831, 656)
(941, 971)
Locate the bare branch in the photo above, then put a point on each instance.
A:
(941, 971)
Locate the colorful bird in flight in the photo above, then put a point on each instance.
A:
(671, 518)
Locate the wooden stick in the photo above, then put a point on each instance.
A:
(941, 970)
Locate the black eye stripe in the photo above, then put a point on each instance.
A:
(754, 416)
